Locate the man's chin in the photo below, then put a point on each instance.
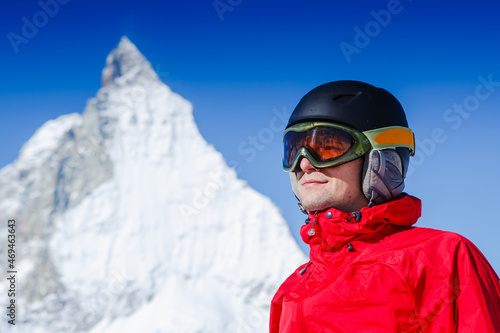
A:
(315, 206)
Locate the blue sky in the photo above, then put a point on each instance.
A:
(249, 62)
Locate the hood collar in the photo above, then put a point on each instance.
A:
(333, 228)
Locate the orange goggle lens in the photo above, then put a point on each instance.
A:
(324, 143)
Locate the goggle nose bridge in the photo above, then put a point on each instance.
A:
(302, 153)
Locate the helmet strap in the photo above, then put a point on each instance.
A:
(302, 209)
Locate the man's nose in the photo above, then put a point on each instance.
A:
(306, 166)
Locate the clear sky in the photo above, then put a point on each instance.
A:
(245, 63)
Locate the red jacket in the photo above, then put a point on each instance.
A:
(380, 274)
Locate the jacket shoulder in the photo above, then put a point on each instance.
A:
(432, 248)
(421, 237)
(416, 244)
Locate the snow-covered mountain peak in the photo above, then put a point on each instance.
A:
(126, 65)
(131, 222)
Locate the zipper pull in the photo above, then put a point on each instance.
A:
(311, 232)
(303, 270)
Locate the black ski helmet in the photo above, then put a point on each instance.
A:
(362, 107)
(352, 103)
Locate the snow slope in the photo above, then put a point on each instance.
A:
(128, 221)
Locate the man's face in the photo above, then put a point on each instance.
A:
(338, 187)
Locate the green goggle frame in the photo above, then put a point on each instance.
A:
(376, 139)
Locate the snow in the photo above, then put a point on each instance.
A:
(48, 137)
(132, 222)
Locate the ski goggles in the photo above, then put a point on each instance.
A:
(327, 144)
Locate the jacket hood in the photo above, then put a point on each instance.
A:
(331, 229)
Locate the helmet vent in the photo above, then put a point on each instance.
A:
(343, 96)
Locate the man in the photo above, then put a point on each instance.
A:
(347, 148)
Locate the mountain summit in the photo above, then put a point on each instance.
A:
(126, 65)
(129, 221)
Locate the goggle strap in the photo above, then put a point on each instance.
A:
(392, 136)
